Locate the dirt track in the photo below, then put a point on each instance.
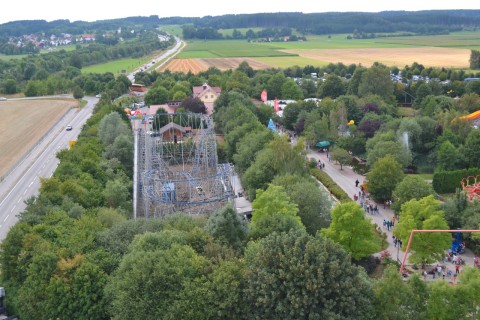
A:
(23, 123)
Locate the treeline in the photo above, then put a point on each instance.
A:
(190, 32)
(419, 22)
(16, 74)
(23, 27)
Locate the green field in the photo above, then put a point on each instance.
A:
(229, 49)
(456, 40)
(175, 30)
(116, 66)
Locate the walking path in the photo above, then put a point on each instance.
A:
(346, 180)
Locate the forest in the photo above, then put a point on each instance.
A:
(76, 252)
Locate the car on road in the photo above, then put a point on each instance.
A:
(3, 99)
(68, 128)
(98, 95)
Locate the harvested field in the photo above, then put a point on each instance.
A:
(428, 56)
(199, 65)
(23, 123)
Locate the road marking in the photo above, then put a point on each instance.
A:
(0, 226)
(8, 215)
(31, 183)
(19, 199)
(24, 192)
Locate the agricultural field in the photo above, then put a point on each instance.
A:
(199, 65)
(116, 66)
(230, 49)
(451, 50)
(23, 123)
(428, 56)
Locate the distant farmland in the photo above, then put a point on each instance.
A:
(451, 50)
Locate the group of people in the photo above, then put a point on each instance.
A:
(320, 165)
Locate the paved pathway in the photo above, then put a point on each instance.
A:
(346, 180)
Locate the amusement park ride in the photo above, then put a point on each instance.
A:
(178, 168)
(471, 187)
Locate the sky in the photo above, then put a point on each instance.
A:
(91, 10)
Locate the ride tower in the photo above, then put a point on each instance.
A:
(179, 163)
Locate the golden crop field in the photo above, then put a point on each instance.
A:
(428, 56)
(23, 123)
(198, 65)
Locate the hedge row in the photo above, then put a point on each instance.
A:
(449, 181)
(330, 185)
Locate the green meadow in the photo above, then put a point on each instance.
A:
(229, 49)
(116, 66)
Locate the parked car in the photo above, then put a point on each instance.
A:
(3, 99)
(98, 95)
(68, 128)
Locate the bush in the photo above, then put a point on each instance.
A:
(330, 185)
(449, 181)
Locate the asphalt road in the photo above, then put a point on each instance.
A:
(23, 181)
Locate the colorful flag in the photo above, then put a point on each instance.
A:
(264, 95)
(276, 108)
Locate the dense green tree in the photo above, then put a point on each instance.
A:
(273, 205)
(332, 87)
(226, 226)
(411, 187)
(423, 214)
(395, 149)
(352, 230)
(442, 297)
(274, 85)
(112, 126)
(447, 156)
(384, 177)
(313, 206)
(147, 283)
(342, 156)
(295, 275)
(376, 80)
(474, 59)
(472, 148)
(156, 95)
(248, 147)
(398, 299)
(291, 90)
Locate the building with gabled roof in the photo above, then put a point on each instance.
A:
(207, 95)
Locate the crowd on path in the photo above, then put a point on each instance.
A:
(385, 219)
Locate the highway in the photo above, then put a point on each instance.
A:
(23, 181)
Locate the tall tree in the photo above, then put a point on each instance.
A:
(342, 156)
(474, 59)
(424, 214)
(398, 299)
(271, 206)
(297, 276)
(384, 177)
(376, 80)
(411, 187)
(472, 148)
(226, 226)
(352, 230)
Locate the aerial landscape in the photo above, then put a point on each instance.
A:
(245, 161)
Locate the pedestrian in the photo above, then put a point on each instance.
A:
(356, 183)
(475, 261)
(457, 269)
(424, 273)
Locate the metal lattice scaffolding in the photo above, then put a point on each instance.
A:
(180, 166)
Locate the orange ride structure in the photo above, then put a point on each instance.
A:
(472, 116)
(471, 187)
(402, 267)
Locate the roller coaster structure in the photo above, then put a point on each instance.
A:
(178, 166)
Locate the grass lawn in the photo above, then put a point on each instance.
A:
(116, 66)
